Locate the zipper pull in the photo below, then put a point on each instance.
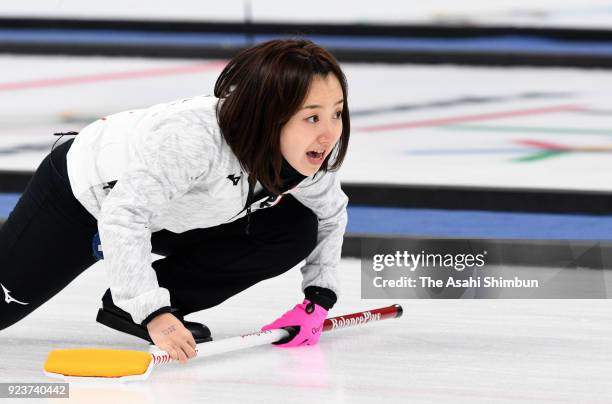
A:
(248, 225)
(248, 206)
(71, 133)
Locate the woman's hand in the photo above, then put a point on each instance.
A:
(171, 336)
(307, 317)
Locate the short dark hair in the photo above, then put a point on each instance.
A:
(260, 89)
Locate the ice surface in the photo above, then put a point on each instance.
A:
(439, 351)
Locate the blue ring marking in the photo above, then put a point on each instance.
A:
(7, 203)
(522, 44)
(478, 224)
(455, 223)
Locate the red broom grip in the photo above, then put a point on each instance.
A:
(350, 320)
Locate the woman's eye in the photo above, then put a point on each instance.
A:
(313, 119)
(338, 114)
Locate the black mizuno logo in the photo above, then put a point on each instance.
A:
(234, 179)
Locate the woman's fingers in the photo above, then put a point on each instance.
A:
(182, 356)
(170, 335)
(179, 350)
(189, 349)
(175, 352)
(170, 350)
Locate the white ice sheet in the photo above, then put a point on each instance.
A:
(485, 351)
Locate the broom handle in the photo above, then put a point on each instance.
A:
(206, 349)
(350, 320)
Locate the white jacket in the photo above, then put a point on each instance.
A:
(171, 166)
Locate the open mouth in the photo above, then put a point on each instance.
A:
(315, 154)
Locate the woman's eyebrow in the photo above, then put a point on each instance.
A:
(313, 106)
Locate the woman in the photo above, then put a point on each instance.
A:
(231, 190)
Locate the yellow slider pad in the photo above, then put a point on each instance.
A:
(95, 362)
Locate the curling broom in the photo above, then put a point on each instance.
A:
(128, 365)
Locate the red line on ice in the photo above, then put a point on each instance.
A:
(93, 78)
(543, 145)
(468, 118)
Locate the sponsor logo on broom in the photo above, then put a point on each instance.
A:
(366, 317)
(258, 333)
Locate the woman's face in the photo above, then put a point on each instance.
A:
(313, 131)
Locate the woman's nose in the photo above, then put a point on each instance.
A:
(326, 134)
(323, 137)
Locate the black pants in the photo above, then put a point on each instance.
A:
(46, 242)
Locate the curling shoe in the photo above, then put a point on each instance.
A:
(120, 320)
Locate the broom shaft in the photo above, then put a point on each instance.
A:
(207, 349)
